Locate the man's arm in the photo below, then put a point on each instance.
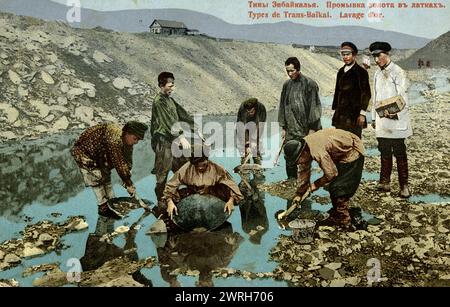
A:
(329, 169)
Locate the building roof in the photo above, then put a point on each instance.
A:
(169, 24)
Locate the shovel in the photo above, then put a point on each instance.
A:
(285, 213)
(275, 161)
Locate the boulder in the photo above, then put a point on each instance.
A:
(11, 113)
(121, 83)
(14, 77)
(84, 114)
(100, 57)
(61, 124)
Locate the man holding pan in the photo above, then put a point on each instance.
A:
(340, 155)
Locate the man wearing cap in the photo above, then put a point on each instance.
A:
(250, 125)
(104, 147)
(351, 94)
(201, 176)
(392, 128)
(167, 116)
(300, 109)
(340, 155)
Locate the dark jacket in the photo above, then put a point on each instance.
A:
(351, 95)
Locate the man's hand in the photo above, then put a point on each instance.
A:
(361, 120)
(313, 187)
(373, 124)
(300, 198)
(132, 191)
(229, 206)
(184, 143)
(171, 208)
(311, 131)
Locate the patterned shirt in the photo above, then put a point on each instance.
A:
(102, 147)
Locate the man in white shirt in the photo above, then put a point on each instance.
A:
(391, 129)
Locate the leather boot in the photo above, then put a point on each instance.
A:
(402, 168)
(339, 214)
(385, 174)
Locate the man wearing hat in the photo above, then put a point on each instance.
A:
(300, 109)
(340, 155)
(250, 125)
(351, 94)
(201, 176)
(104, 147)
(392, 128)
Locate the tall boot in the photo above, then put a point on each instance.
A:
(339, 214)
(402, 168)
(385, 174)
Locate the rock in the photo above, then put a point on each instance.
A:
(74, 92)
(121, 83)
(354, 236)
(61, 124)
(12, 283)
(64, 87)
(11, 113)
(11, 259)
(49, 118)
(9, 135)
(62, 100)
(22, 92)
(41, 108)
(442, 229)
(14, 77)
(100, 57)
(47, 78)
(81, 225)
(327, 273)
(45, 238)
(84, 114)
(415, 224)
(90, 93)
(287, 276)
(337, 283)
(122, 229)
(121, 101)
(2, 254)
(30, 250)
(334, 265)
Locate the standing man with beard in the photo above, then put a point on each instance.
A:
(300, 109)
(351, 94)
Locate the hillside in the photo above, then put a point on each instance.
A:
(437, 52)
(54, 77)
(285, 32)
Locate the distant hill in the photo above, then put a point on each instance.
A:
(437, 51)
(282, 32)
(55, 78)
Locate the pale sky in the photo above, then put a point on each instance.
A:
(425, 22)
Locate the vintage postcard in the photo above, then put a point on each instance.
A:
(211, 143)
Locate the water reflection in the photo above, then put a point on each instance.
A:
(253, 211)
(196, 254)
(100, 248)
(44, 171)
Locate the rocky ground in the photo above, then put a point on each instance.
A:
(411, 245)
(38, 239)
(54, 77)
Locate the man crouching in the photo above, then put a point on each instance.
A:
(340, 155)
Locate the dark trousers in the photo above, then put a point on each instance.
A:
(387, 147)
